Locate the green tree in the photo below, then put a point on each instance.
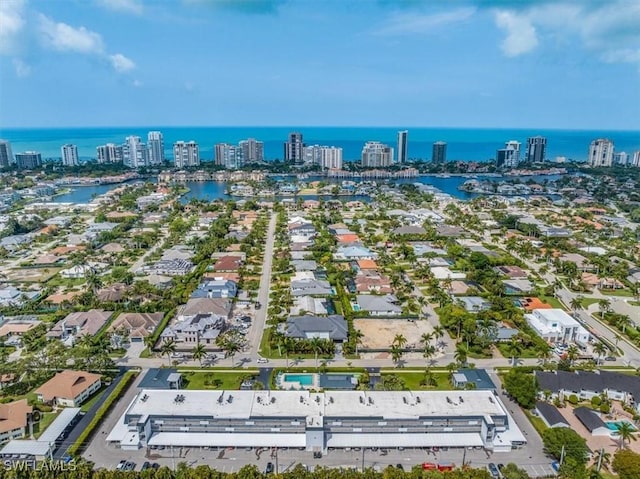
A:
(167, 348)
(316, 347)
(626, 464)
(557, 440)
(512, 471)
(625, 434)
(522, 386)
(199, 352)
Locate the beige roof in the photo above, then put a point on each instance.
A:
(67, 385)
(139, 325)
(219, 306)
(14, 415)
(17, 327)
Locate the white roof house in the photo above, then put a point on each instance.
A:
(554, 325)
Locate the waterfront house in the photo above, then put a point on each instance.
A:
(69, 388)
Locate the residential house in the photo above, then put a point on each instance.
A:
(310, 305)
(354, 252)
(161, 378)
(617, 386)
(421, 249)
(441, 272)
(332, 327)
(371, 281)
(378, 305)
(304, 265)
(115, 293)
(449, 231)
(137, 326)
(176, 267)
(15, 242)
(78, 324)
(582, 263)
(14, 420)
(556, 326)
(216, 288)
(595, 281)
(12, 296)
(229, 263)
(364, 265)
(348, 239)
(518, 286)
(178, 252)
(409, 230)
(513, 272)
(309, 286)
(473, 304)
(305, 230)
(12, 329)
(79, 271)
(474, 379)
(69, 388)
(191, 330)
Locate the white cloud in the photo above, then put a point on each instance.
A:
(121, 63)
(62, 37)
(521, 35)
(412, 23)
(608, 29)
(136, 83)
(126, 6)
(22, 69)
(11, 24)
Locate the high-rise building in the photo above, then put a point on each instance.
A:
(621, 158)
(252, 150)
(186, 154)
(28, 160)
(327, 157)
(229, 156)
(439, 152)
(293, 149)
(6, 155)
(600, 152)
(155, 144)
(134, 152)
(403, 146)
(376, 155)
(509, 156)
(69, 155)
(109, 153)
(636, 159)
(536, 149)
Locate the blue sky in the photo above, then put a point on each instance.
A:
(478, 63)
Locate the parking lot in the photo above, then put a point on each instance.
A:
(232, 459)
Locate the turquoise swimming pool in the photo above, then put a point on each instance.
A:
(613, 425)
(303, 379)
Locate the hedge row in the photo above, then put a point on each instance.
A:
(116, 394)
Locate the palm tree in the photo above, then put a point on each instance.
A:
(572, 353)
(600, 349)
(426, 338)
(199, 352)
(576, 303)
(514, 348)
(316, 345)
(438, 332)
(149, 342)
(167, 348)
(231, 344)
(357, 336)
(602, 458)
(400, 340)
(94, 282)
(461, 355)
(604, 305)
(623, 322)
(626, 433)
(396, 354)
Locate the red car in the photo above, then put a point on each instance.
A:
(429, 466)
(446, 467)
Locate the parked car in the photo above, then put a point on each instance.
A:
(493, 470)
(269, 469)
(130, 466)
(400, 466)
(317, 455)
(262, 361)
(145, 465)
(120, 466)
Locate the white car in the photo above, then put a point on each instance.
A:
(262, 361)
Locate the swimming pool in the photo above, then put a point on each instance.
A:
(613, 425)
(303, 379)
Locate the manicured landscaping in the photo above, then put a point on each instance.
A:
(46, 418)
(414, 380)
(214, 380)
(537, 423)
(586, 302)
(93, 399)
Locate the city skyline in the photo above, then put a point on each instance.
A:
(433, 78)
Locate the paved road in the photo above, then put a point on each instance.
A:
(140, 261)
(82, 424)
(257, 328)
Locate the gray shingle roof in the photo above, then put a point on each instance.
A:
(597, 382)
(309, 326)
(550, 414)
(589, 418)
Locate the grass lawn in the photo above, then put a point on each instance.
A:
(617, 292)
(634, 303)
(412, 380)
(525, 353)
(586, 302)
(551, 300)
(93, 399)
(537, 423)
(214, 380)
(46, 418)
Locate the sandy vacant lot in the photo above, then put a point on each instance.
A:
(379, 333)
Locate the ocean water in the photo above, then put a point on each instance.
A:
(467, 144)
